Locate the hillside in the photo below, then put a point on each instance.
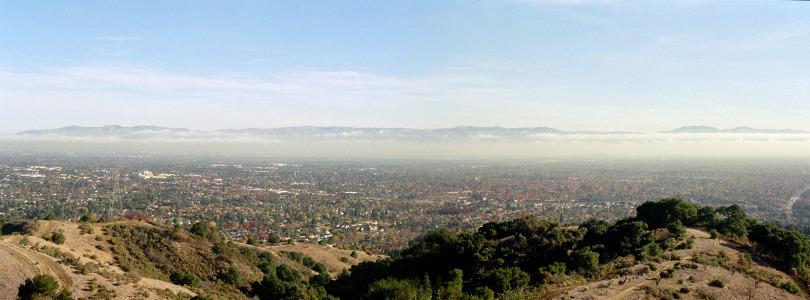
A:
(96, 261)
(722, 254)
(689, 282)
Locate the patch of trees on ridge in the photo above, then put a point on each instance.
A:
(522, 255)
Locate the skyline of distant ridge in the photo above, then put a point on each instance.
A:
(314, 133)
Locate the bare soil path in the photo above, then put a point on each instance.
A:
(45, 264)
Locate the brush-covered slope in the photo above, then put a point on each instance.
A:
(670, 249)
(140, 260)
(652, 254)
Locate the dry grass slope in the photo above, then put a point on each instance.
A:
(688, 283)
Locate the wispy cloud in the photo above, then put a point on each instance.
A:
(241, 99)
(120, 38)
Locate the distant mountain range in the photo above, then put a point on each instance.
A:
(709, 129)
(312, 133)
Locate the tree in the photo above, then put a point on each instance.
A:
(503, 279)
(286, 273)
(585, 261)
(233, 276)
(733, 221)
(64, 295)
(40, 285)
(86, 218)
(273, 238)
(677, 229)
(183, 278)
(658, 214)
(395, 289)
(321, 279)
(451, 288)
(205, 231)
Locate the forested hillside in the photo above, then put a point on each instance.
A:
(531, 258)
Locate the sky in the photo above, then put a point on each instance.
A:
(643, 66)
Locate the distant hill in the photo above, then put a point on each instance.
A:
(709, 129)
(335, 133)
(460, 133)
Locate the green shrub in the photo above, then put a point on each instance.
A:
(85, 228)
(183, 278)
(38, 287)
(57, 238)
(233, 276)
(790, 287)
(668, 273)
(717, 282)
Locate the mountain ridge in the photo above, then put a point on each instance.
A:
(304, 133)
(740, 129)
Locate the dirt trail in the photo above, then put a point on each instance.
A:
(45, 264)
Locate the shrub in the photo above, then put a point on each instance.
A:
(790, 287)
(717, 282)
(668, 273)
(85, 228)
(57, 238)
(233, 276)
(183, 278)
(37, 287)
(64, 295)
(319, 267)
(713, 233)
(308, 262)
(625, 271)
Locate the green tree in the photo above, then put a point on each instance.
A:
(286, 273)
(86, 218)
(503, 279)
(676, 228)
(395, 289)
(64, 295)
(183, 278)
(40, 285)
(584, 261)
(233, 276)
(273, 239)
(320, 279)
(205, 231)
(451, 287)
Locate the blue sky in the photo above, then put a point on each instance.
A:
(573, 65)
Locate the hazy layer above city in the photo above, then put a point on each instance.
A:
(579, 146)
